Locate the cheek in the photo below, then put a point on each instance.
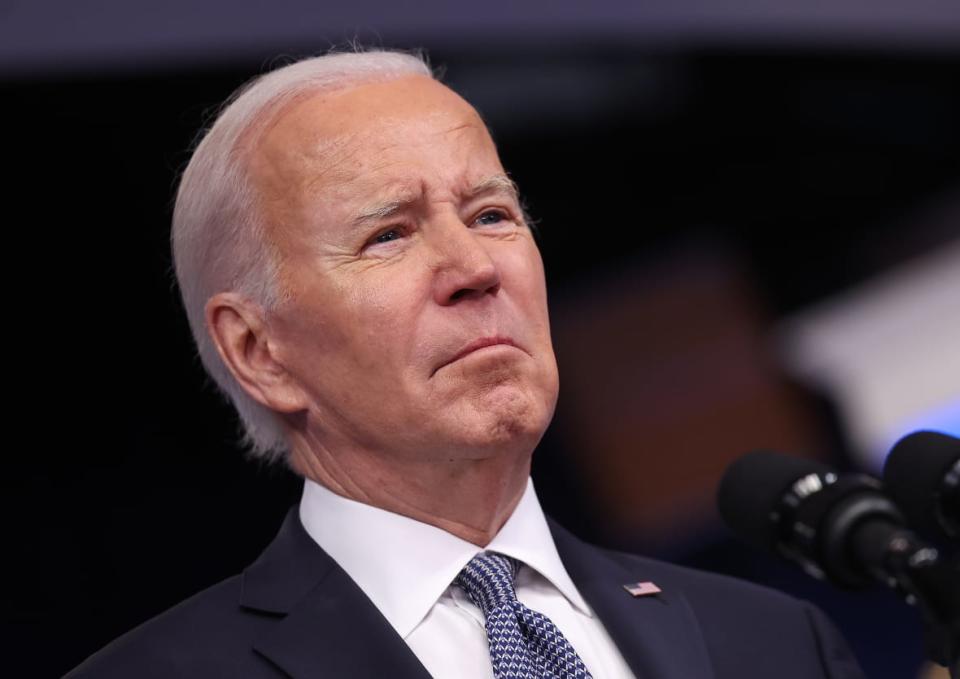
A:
(527, 275)
(522, 268)
(310, 337)
(379, 317)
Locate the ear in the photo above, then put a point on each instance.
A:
(242, 338)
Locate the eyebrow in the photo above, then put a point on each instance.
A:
(498, 183)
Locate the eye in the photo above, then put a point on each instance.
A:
(387, 236)
(384, 240)
(491, 217)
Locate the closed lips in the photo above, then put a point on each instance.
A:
(479, 344)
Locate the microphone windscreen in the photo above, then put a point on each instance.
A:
(752, 488)
(914, 474)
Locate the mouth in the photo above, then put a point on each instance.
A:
(476, 345)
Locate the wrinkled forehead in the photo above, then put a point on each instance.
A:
(331, 136)
(357, 141)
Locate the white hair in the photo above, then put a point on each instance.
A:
(219, 239)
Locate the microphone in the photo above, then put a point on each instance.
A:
(922, 475)
(837, 528)
(844, 529)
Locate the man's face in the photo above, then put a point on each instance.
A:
(416, 319)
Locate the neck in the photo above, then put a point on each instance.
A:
(469, 498)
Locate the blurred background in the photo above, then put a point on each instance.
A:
(749, 212)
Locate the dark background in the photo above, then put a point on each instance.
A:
(749, 175)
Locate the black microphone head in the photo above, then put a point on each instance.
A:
(752, 489)
(916, 477)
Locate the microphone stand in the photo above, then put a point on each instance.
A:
(925, 579)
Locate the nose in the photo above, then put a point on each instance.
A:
(463, 266)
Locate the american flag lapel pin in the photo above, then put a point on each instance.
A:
(642, 588)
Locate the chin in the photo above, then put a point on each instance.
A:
(507, 417)
(506, 406)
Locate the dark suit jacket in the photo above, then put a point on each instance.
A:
(294, 612)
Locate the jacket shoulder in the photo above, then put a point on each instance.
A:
(736, 614)
(698, 583)
(207, 635)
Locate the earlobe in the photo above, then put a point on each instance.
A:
(238, 328)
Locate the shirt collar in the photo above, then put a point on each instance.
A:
(404, 565)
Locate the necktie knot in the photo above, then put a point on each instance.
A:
(524, 644)
(488, 581)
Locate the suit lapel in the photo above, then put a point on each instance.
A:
(657, 635)
(325, 626)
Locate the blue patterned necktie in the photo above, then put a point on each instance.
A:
(524, 644)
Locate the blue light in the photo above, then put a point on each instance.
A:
(944, 419)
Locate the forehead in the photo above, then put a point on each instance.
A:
(374, 137)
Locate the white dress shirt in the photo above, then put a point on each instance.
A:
(406, 568)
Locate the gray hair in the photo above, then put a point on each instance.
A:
(219, 239)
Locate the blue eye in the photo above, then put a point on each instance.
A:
(491, 217)
(387, 236)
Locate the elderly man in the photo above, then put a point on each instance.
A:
(361, 281)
